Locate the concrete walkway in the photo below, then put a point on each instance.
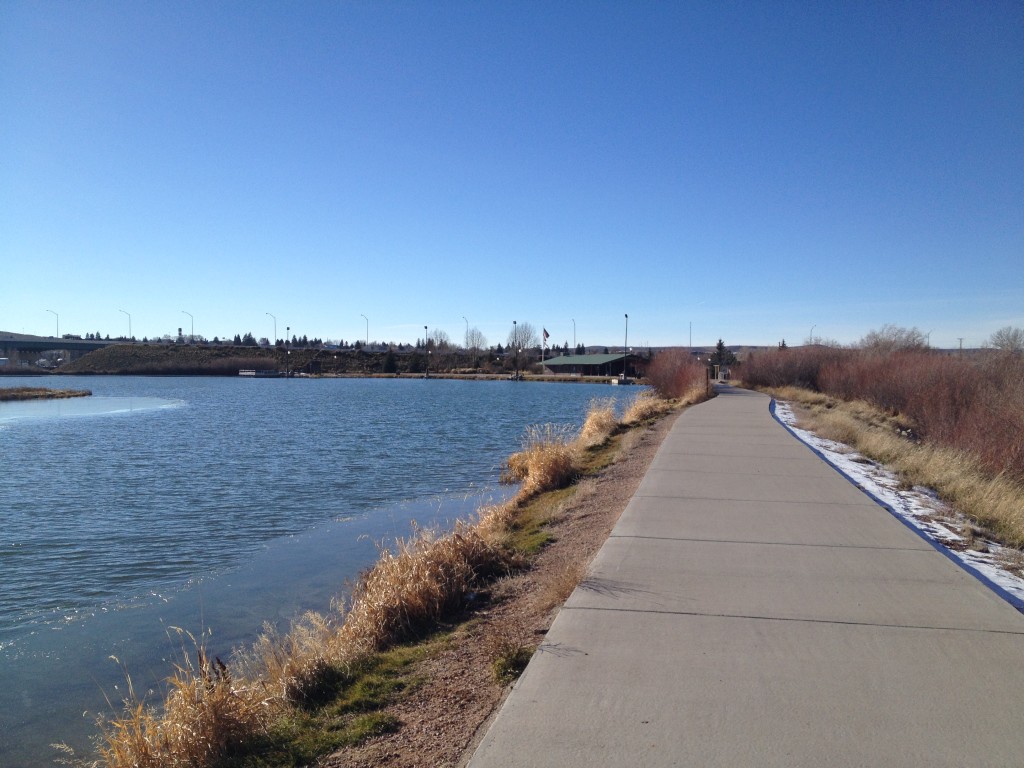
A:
(753, 608)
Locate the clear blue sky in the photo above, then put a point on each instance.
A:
(755, 168)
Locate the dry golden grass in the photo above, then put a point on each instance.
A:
(547, 461)
(206, 713)
(292, 667)
(994, 502)
(409, 589)
(646, 405)
(600, 422)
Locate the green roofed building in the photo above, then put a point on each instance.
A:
(597, 365)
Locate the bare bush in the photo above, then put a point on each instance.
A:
(673, 373)
(1008, 339)
(892, 338)
(975, 406)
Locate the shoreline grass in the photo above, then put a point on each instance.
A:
(283, 700)
(14, 394)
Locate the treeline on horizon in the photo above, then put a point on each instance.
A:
(970, 403)
(209, 360)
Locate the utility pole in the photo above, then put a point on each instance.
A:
(515, 342)
(625, 349)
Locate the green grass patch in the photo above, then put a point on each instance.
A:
(352, 715)
(510, 664)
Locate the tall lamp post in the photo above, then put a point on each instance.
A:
(574, 335)
(58, 321)
(367, 328)
(275, 328)
(192, 334)
(426, 352)
(515, 342)
(625, 348)
(129, 323)
(467, 331)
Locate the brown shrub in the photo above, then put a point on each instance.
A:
(971, 405)
(673, 373)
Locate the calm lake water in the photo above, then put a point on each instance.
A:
(216, 504)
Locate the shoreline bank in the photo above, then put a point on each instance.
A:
(301, 658)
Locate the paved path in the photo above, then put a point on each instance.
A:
(753, 608)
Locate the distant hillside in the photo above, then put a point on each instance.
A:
(188, 360)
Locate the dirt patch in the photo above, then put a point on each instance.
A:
(443, 718)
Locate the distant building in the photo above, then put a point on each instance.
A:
(597, 365)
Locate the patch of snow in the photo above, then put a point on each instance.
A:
(918, 506)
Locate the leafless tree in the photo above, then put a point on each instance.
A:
(892, 338)
(1008, 339)
(440, 339)
(475, 341)
(523, 336)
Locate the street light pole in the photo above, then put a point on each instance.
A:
(426, 351)
(810, 338)
(515, 341)
(275, 329)
(58, 321)
(367, 327)
(192, 334)
(129, 324)
(574, 335)
(467, 331)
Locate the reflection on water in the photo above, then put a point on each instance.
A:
(80, 406)
(217, 503)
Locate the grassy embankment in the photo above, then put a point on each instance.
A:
(9, 394)
(326, 682)
(951, 424)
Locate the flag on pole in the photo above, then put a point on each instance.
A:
(546, 334)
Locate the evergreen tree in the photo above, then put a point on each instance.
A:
(723, 356)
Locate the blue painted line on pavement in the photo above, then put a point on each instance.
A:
(1008, 596)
